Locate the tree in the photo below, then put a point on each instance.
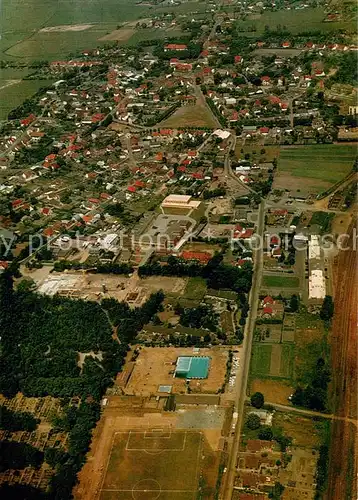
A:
(257, 400)
(294, 303)
(266, 433)
(253, 421)
(26, 284)
(327, 308)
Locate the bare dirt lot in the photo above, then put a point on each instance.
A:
(141, 453)
(274, 391)
(94, 286)
(155, 366)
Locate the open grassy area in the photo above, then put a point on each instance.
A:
(280, 281)
(190, 116)
(257, 152)
(195, 289)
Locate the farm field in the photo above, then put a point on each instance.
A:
(311, 18)
(14, 92)
(271, 281)
(272, 360)
(190, 116)
(312, 169)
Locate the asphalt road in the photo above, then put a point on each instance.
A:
(243, 371)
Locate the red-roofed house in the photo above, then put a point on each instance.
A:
(17, 203)
(131, 189)
(234, 116)
(174, 61)
(200, 256)
(267, 311)
(264, 130)
(268, 300)
(3, 265)
(26, 121)
(166, 131)
(238, 59)
(265, 80)
(286, 45)
(175, 46)
(139, 184)
(183, 67)
(319, 72)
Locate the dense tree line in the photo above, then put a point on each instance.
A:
(202, 316)
(17, 420)
(217, 274)
(214, 193)
(314, 395)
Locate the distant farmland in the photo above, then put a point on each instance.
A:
(312, 169)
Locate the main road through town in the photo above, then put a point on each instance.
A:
(243, 371)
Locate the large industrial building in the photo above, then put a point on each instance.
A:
(317, 280)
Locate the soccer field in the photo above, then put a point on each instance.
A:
(146, 465)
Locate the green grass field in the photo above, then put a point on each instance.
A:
(280, 281)
(261, 360)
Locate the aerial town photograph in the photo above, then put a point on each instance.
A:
(178, 249)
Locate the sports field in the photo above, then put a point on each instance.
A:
(312, 169)
(157, 463)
